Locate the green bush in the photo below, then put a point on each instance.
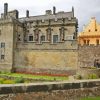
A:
(78, 77)
(8, 82)
(19, 80)
(92, 76)
(1, 80)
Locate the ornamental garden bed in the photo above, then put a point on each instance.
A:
(13, 78)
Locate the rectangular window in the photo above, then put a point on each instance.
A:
(30, 38)
(88, 42)
(2, 45)
(97, 42)
(55, 38)
(42, 38)
(84, 41)
(2, 57)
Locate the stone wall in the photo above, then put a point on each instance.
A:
(46, 61)
(87, 55)
(51, 90)
(6, 37)
(46, 57)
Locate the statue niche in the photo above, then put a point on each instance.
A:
(36, 34)
(62, 33)
(49, 34)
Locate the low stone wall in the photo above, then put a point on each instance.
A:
(51, 90)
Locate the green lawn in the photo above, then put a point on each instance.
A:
(35, 77)
(91, 98)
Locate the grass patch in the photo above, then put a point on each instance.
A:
(91, 98)
(19, 77)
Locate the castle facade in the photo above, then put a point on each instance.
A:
(46, 41)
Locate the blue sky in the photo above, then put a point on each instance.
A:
(84, 9)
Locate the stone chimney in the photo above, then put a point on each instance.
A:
(73, 11)
(27, 13)
(5, 9)
(54, 10)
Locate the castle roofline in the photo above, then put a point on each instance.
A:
(58, 15)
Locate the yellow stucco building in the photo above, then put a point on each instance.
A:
(90, 33)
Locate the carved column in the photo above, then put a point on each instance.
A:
(36, 34)
(49, 34)
(62, 33)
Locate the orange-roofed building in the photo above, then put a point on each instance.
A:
(90, 34)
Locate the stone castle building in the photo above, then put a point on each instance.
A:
(90, 34)
(89, 45)
(34, 43)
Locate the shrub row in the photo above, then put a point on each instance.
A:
(8, 81)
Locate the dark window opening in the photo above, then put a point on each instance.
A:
(2, 45)
(88, 41)
(97, 42)
(30, 38)
(55, 38)
(89, 30)
(2, 57)
(95, 29)
(84, 41)
(19, 38)
(42, 38)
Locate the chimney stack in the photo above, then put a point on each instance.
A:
(54, 10)
(5, 9)
(27, 13)
(73, 11)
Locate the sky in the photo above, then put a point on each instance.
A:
(84, 9)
